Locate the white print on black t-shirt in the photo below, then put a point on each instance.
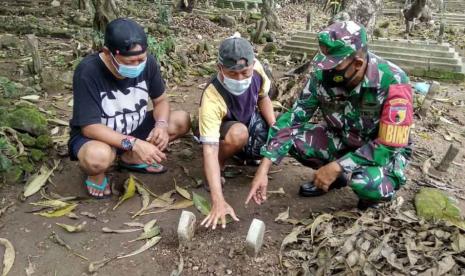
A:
(124, 111)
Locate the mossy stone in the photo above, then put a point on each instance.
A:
(43, 142)
(26, 139)
(26, 165)
(5, 163)
(270, 47)
(29, 120)
(7, 148)
(37, 155)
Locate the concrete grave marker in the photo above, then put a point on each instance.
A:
(254, 240)
(186, 226)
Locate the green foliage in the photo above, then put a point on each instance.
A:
(60, 61)
(8, 88)
(164, 14)
(433, 204)
(160, 49)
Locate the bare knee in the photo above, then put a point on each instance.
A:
(180, 123)
(237, 135)
(95, 157)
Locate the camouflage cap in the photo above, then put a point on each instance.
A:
(338, 42)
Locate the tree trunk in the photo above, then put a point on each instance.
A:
(105, 11)
(84, 5)
(363, 11)
(269, 14)
(186, 5)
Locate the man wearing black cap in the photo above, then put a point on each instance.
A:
(111, 92)
(234, 116)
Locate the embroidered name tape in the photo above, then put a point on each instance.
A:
(396, 116)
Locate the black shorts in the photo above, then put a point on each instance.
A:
(142, 132)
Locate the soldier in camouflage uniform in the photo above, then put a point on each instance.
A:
(363, 141)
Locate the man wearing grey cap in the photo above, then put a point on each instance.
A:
(234, 115)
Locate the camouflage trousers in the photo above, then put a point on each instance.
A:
(314, 146)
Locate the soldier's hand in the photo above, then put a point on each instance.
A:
(326, 175)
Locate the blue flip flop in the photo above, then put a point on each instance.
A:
(142, 168)
(100, 187)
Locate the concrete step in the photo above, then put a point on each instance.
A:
(448, 16)
(450, 54)
(426, 45)
(241, 4)
(406, 64)
(385, 54)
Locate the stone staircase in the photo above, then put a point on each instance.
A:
(409, 55)
(239, 4)
(455, 5)
(455, 19)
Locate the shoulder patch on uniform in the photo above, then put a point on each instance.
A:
(396, 116)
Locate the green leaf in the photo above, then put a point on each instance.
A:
(58, 212)
(130, 191)
(201, 204)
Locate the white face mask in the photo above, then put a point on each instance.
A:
(237, 87)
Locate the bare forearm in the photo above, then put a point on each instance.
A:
(212, 171)
(104, 134)
(161, 109)
(265, 166)
(266, 109)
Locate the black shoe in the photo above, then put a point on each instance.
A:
(365, 204)
(309, 189)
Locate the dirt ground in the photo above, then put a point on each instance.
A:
(218, 252)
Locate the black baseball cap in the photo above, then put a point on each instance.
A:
(123, 34)
(234, 49)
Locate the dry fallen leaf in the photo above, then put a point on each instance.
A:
(8, 256)
(145, 198)
(282, 217)
(153, 241)
(89, 215)
(120, 231)
(58, 240)
(134, 224)
(37, 181)
(73, 228)
(181, 191)
(280, 191)
(94, 266)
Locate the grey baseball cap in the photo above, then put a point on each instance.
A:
(234, 49)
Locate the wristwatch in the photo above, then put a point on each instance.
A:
(128, 143)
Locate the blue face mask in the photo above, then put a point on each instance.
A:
(237, 87)
(130, 71)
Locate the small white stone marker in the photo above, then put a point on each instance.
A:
(186, 226)
(255, 236)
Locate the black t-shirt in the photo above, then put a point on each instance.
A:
(120, 104)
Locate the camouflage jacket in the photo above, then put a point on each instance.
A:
(353, 115)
